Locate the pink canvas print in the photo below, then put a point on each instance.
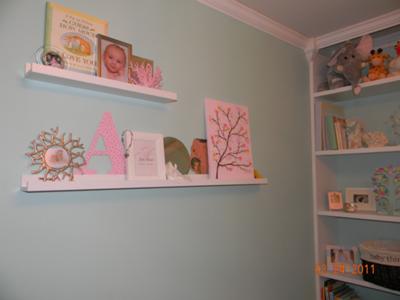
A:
(228, 141)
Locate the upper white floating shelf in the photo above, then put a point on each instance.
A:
(31, 183)
(90, 82)
(372, 88)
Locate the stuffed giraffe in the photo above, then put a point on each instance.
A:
(377, 65)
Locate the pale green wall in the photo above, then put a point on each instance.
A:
(196, 243)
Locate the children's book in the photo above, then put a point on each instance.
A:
(340, 130)
(331, 138)
(325, 131)
(73, 35)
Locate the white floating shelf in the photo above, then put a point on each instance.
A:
(357, 280)
(358, 151)
(360, 215)
(372, 88)
(94, 83)
(31, 183)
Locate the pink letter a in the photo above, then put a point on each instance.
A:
(112, 145)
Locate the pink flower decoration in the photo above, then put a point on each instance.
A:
(143, 75)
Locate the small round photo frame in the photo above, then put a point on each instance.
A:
(52, 58)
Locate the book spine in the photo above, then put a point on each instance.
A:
(339, 141)
(330, 133)
(344, 134)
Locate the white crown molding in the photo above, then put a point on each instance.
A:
(253, 18)
(359, 29)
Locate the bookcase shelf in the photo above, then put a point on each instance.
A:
(386, 149)
(372, 88)
(75, 79)
(371, 216)
(31, 183)
(357, 280)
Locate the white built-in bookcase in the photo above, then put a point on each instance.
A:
(334, 170)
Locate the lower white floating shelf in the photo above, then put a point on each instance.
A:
(31, 183)
(357, 280)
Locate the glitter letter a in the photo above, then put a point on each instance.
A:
(112, 145)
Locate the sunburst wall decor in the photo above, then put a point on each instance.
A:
(55, 155)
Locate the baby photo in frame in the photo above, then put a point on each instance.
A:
(113, 58)
(144, 153)
(363, 198)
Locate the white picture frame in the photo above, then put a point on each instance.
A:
(364, 198)
(145, 158)
(341, 259)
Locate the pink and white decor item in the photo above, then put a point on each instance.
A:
(112, 144)
(228, 140)
(142, 74)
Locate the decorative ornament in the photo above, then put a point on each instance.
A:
(172, 172)
(394, 122)
(56, 155)
(354, 132)
(386, 181)
(258, 174)
(350, 207)
(375, 139)
(127, 145)
(199, 156)
(51, 57)
(112, 145)
(394, 64)
(142, 74)
(176, 153)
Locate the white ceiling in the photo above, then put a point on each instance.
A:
(313, 18)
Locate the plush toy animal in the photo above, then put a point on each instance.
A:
(355, 132)
(377, 65)
(394, 65)
(346, 63)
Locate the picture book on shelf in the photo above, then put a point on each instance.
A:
(73, 34)
(332, 132)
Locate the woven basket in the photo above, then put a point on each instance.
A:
(381, 261)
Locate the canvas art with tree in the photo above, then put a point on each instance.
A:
(228, 140)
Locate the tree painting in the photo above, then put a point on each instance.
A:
(228, 138)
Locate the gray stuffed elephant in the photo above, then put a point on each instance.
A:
(346, 63)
